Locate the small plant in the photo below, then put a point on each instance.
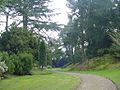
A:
(49, 67)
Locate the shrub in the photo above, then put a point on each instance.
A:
(23, 63)
(49, 67)
(8, 61)
(18, 64)
(3, 68)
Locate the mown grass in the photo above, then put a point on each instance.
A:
(40, 81)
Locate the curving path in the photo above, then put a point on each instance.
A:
(93, 82)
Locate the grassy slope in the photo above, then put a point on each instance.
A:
(40, 82)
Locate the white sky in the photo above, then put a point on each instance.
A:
(62, 18)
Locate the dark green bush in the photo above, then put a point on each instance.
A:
(23, 63)
(19, 40)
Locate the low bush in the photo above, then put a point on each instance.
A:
(18, 64)
(23, 63)
(49, 67)
(8, 61)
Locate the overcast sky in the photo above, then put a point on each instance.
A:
(62, 18)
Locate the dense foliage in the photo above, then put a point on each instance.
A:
(92, 30)
(21, 49)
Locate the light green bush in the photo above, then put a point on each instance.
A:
(18, 64)
(8, 61)
(3, 68)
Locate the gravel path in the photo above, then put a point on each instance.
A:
(93, 82)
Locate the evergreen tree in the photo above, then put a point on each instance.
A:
(34, 13)
(70, 38)
(42, 59)
(93, 22)
(18, 40)
(49, 56)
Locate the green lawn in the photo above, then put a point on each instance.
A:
(40, 81)
(111, 74)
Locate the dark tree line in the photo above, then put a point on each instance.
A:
(88, 32)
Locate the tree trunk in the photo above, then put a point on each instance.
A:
(25, 16)
(25, 21)
(7, 16)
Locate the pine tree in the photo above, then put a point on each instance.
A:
(35, 14)
(32, 11)
(42, 59)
